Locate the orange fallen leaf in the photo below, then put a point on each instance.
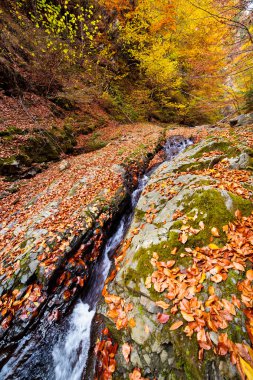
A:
(174, 251)
(249, 274)
(163, 305)
(238, 214)
(113, 314)
(148, 282)
(136, 375)
(183, 238)
(131, 323)
(176, 325)
(217, 278)
(188, 317)
(238, 266)
(211, 290)
(229, 306)
(170, 263)
(202, 225)
(111, 298)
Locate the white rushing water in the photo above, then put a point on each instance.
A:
(71, 354)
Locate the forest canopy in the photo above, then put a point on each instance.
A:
(189, 61)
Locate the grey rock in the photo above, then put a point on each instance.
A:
(24, 279)
(33, 266)
(242, 120)
(64, 165)
(135, 359)
(149, 305)
(241, 162)
(119, 169)
(164, 356)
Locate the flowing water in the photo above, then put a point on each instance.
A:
(61, 353)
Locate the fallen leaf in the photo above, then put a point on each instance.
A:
(214, 247)
(126, 350)
(163, 318)
(135, 375)
(247, 369)
(131, 323)
(217, 278)
(176, 325)
(174, 251)
(249, 275)
(202, 225)
(183, 238)
(238, 266)
(238, 214)
(163, 305)
(148, 282)
(170, 263)
(215, 232)
(188, 317)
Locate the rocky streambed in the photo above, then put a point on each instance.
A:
(177, 300)
(59, 350)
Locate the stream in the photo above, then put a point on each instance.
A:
(60, 351)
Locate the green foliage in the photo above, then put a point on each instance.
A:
(70, 26)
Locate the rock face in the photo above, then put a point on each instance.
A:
(170, 239)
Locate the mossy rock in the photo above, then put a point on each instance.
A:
(12, 131)
(201, 203)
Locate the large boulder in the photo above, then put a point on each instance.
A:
(175, 298)
(241, 120)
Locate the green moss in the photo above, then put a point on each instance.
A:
(9, 165)
(143, 257)
(116, 335)
(212, 211)
(223, 146)
(177, 225)
(95, 143)
(242, 204)
(11, 131)
(191, 166)
(185, 350)
(139, 215)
